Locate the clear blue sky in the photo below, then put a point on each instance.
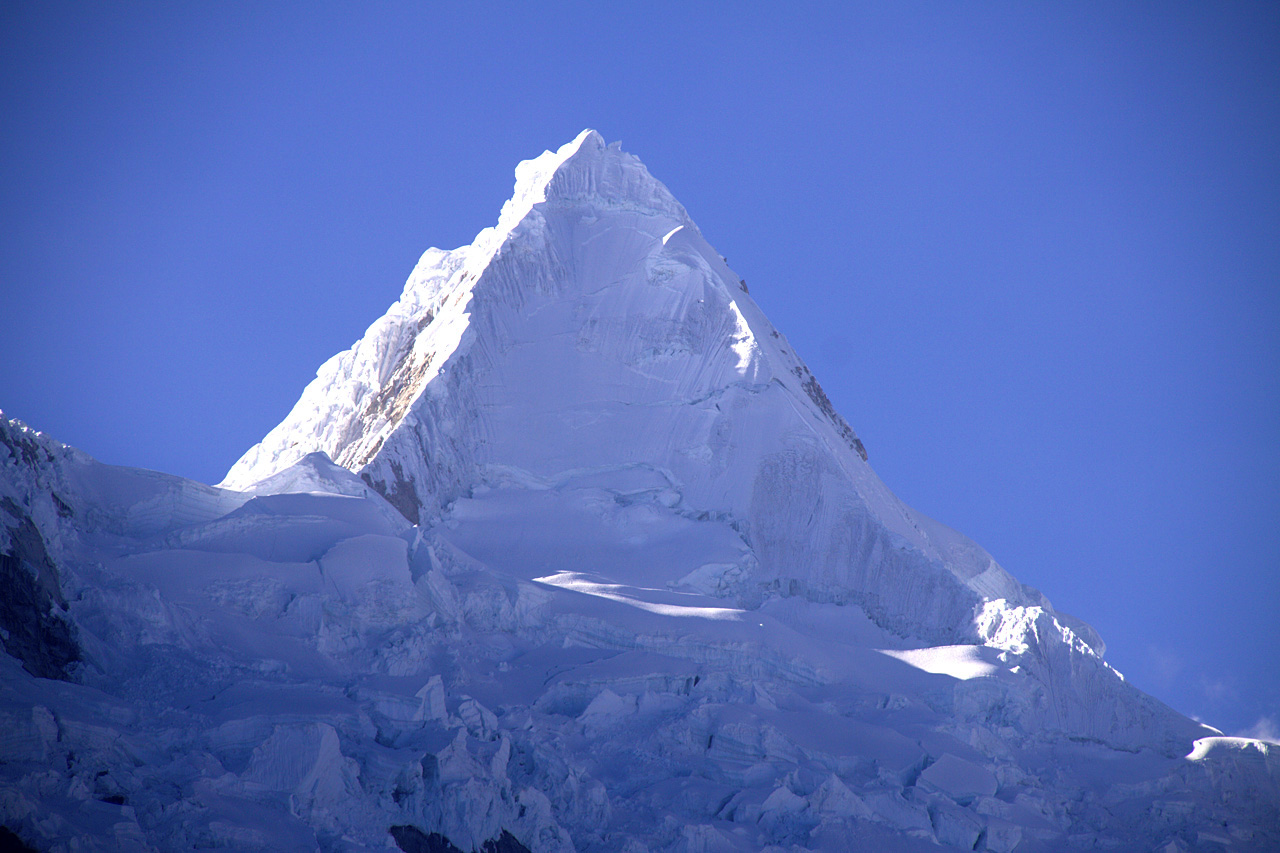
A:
(1031, 250)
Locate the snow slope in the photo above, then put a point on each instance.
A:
(613, 575)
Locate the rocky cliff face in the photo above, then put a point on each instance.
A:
(32, 626)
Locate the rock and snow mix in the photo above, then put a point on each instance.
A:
(569, 552)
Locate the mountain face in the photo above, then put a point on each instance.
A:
(569, 551)
(594, 335)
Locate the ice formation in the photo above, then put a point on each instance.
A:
(569, 552)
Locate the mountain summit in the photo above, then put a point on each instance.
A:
(569, 552)
(594, 333)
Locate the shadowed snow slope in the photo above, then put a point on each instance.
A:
(568, 552)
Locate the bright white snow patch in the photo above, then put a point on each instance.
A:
(661, 602)
(962, 662)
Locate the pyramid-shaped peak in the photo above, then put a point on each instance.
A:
(594, 333)
(584, 170)
(593, 309)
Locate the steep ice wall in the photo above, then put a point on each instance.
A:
(595, 330)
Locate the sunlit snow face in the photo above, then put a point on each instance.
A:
(744, 343)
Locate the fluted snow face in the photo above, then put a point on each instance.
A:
(595, 330)
(359, 396)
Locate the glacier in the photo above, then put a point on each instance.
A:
(569, 552)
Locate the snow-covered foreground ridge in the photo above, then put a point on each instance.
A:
(598, 567)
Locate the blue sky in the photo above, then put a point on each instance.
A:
(1032, 251)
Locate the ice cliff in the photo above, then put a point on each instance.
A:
(569, 551)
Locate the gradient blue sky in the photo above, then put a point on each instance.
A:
(1032, 251)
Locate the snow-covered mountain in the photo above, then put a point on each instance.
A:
(594, 337)
(569, 552)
